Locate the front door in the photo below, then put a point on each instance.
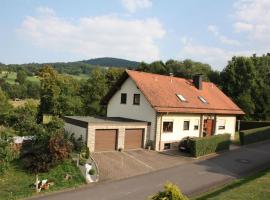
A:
(208, 127)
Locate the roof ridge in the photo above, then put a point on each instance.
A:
(163, 75)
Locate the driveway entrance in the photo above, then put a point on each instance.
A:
(119, 165)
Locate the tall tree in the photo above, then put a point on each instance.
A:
(93, 91)
(21, 77)
(244, 81)
(59, 94)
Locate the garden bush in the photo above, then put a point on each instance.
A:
(171, 192)
(254, 135)
(7, 153)
(206, 145)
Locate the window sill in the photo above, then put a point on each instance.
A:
(167, 132)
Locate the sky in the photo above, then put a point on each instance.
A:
(142, 30)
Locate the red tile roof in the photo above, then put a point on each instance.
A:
(161, 92)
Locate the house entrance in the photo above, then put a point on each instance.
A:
(208, 127)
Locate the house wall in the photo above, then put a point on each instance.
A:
(77, 130)
(143, 112)
(178, 128)
(120, 130)
(230, 123)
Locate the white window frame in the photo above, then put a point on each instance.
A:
(186, 120)
(166, 132)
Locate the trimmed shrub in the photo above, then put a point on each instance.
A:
(246, 125)
(254, 135)
(206, 145)
(171, 192)
(92, 172)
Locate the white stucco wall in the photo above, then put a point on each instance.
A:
(77, 130)
(178, 126)
(143, 112)
(230, 123)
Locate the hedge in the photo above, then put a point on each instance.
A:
(254, 135)
(206, 145)
(245, 125)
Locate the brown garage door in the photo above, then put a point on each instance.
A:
(133, 138)
(106, 140)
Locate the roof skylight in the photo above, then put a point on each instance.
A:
(181, 97)
(202, 99)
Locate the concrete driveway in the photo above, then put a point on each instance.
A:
(119, 165)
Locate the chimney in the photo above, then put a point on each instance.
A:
(197, 81)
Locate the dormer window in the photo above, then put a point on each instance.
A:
(202, 99)
(181, 97)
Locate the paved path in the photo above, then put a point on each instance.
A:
(191, 177)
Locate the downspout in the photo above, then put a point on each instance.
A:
(215, 125)
(160, 128)
(201, 126)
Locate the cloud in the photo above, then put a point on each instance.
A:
(133, 5)
(217, 57)
(223, 39)
(95, 36)
(253, 18)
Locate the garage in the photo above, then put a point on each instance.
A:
(106, 139)
(133, 138)
(107, 133)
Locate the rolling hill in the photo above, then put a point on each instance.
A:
(112, 62)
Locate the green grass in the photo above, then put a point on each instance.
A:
(16, 183)
(256, 187)
(13, 75)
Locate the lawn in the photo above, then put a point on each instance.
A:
(16, 183)
(256, 187)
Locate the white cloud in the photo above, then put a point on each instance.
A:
(253, 18)
(223, 39)
(217, 57)
(242, 27)
(133, 5)
(95, 36)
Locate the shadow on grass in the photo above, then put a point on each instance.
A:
(231, 186)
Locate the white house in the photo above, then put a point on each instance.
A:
(173, 107)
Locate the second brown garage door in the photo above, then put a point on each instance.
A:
(133, 138)
(106, 140)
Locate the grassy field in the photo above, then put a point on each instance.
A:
(16, 183)
(256, 187)
(13, 75)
